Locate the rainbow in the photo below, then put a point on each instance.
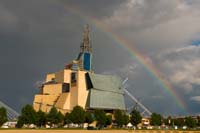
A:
(126, 45)
(142, 59)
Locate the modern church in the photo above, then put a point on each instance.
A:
(77, 84)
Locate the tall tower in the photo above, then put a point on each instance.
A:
(85, 55)
(86, 46)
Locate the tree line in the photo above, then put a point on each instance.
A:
(189, 121)
(79, 116)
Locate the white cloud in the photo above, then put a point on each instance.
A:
(195, 98)
(124, 71)
(153, 26)
(38, 84)
(163, 28)
(146, 13)
(181, 66)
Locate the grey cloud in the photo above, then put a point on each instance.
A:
(99, 9)
(8, 21)
(193, 3)
(153, 26)
(162, 28)
(181, 66)
(40, 37)
(141, 15)
(125, 71)
(195, 98)
(157, 97)
(145, 88)
(31, 34)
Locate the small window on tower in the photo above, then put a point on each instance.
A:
(65, 87)
(73, 78)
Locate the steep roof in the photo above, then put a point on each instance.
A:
(104, 92)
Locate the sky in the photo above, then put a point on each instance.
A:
(41, 36)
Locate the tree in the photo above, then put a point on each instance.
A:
(179, 122)
(89, 117)
(156, 119)
(100, 117)
(41, 119)
(77, 115)
(51, 116)
(190, 122)
(28, 116)
(169, 121)
(108, 120)
(20, 122)
(198, 120)
(67, 119)
(135, 117)
(60, 117)
(3, 116)
(120, 118)
(54, 117)
(126, 119)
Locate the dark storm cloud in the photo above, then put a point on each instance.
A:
(31, 34)
(96, 8)
(39, 37)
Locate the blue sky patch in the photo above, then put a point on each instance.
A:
(196, 42)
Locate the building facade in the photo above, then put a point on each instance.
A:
(77, 84)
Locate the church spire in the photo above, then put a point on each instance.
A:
(86, 46)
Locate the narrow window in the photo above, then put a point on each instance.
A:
(73, 78)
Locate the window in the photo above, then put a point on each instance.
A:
(88, 81)
(73, 78)
(65, 87)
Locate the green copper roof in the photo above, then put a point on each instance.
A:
(105, 92)
(106, 83)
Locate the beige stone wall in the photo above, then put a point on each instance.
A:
(36, 106)
(73, 97)
(52, 89)
(78, 91)
(44, 102)
(82, 89)
(59, 76)
(64, 102)
(46, 108)
(67, 75)
(50, 76)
